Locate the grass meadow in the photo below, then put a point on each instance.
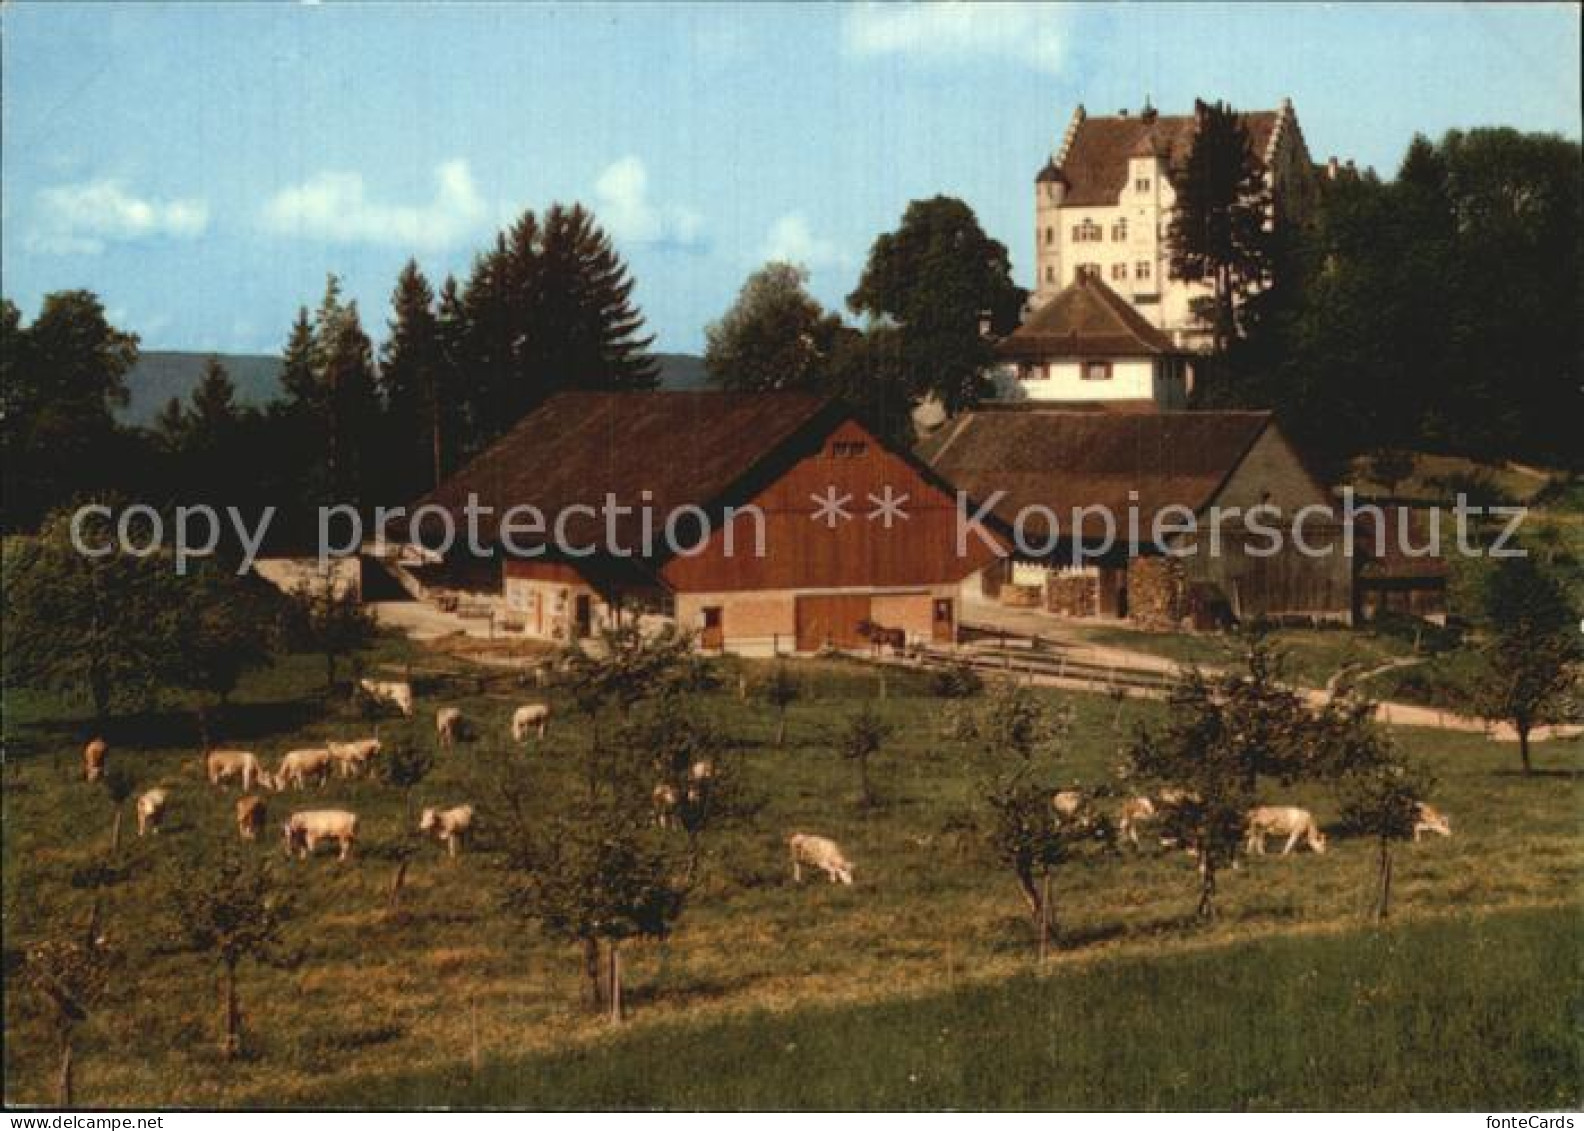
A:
(917, 987)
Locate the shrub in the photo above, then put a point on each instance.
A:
(956, 681)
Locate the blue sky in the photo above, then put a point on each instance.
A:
(202, 168)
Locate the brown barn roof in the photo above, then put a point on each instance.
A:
(1095, 164)
(1067, 460)
(1406, 528)
(1086, 319)
(666, 449)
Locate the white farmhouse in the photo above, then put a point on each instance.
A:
(1087, 345)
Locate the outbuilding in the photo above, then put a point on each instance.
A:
(762, 521)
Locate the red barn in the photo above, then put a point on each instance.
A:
(760, 520)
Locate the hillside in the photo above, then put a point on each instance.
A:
(160, 375)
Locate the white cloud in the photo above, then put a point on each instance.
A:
(1029, 34)
(336, 207)
(792, 240)
(622, 205)
(81, 219)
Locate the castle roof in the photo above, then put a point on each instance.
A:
(1095, 158)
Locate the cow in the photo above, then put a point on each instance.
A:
(881, 637)
(1429, 820)
(299, 767)
(398, 694)
(251, 816)
(664, 799)
(535, 716)
(1283, 820)
(820, 853)
(304, 830)
(449, 826)
(94, 755)
(352, 758)
(223, 765)
(1133, 812)
(449, 726)
(1068, 803)
(151, 811)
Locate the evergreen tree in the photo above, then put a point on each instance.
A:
(410, 376)
(344, 368)
(64, 376)
(1217, 231)
(451, 329)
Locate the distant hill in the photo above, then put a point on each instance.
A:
(160, 375)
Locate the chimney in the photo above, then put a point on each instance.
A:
(1122, 113)
(1148, 113)
(1333, 168)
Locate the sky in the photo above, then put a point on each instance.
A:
(203, 168)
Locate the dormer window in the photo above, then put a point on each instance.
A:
(1097, 371)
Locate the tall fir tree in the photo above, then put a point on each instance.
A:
(410, 381)
(1218, 227)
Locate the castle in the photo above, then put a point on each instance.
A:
(1103, 204)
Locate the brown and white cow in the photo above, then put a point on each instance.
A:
(1297, 825)
(251, 815)
(305, 830)
(820, 853)
(94, 755)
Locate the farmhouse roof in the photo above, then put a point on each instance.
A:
(1096, 158)
(1065, 460)
(1086, 319)
(662, 449)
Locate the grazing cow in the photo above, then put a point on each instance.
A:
(94, 759)
(1429, 820)
(1283, 820)
(251, 814)
(151, 811)
(223, 765)
(821, 853)
(449, 725)
(352, 758)
(398, 694)
(1133, 812)
(881, 637)
(299, 767)
(449, 826)
(535, 716)
(304, 831)
(1068, 803)
(664, 798)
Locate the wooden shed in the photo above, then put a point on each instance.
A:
(791, 521)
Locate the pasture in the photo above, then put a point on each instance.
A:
(384, 1009)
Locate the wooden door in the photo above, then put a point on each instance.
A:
(943, 624)
(831, 620)
(714, 632)
(585, 615)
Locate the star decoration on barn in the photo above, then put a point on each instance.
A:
(887, 506)
(831, 507)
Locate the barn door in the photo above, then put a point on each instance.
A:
(943, 625)
(714, 633)
(831, 620)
